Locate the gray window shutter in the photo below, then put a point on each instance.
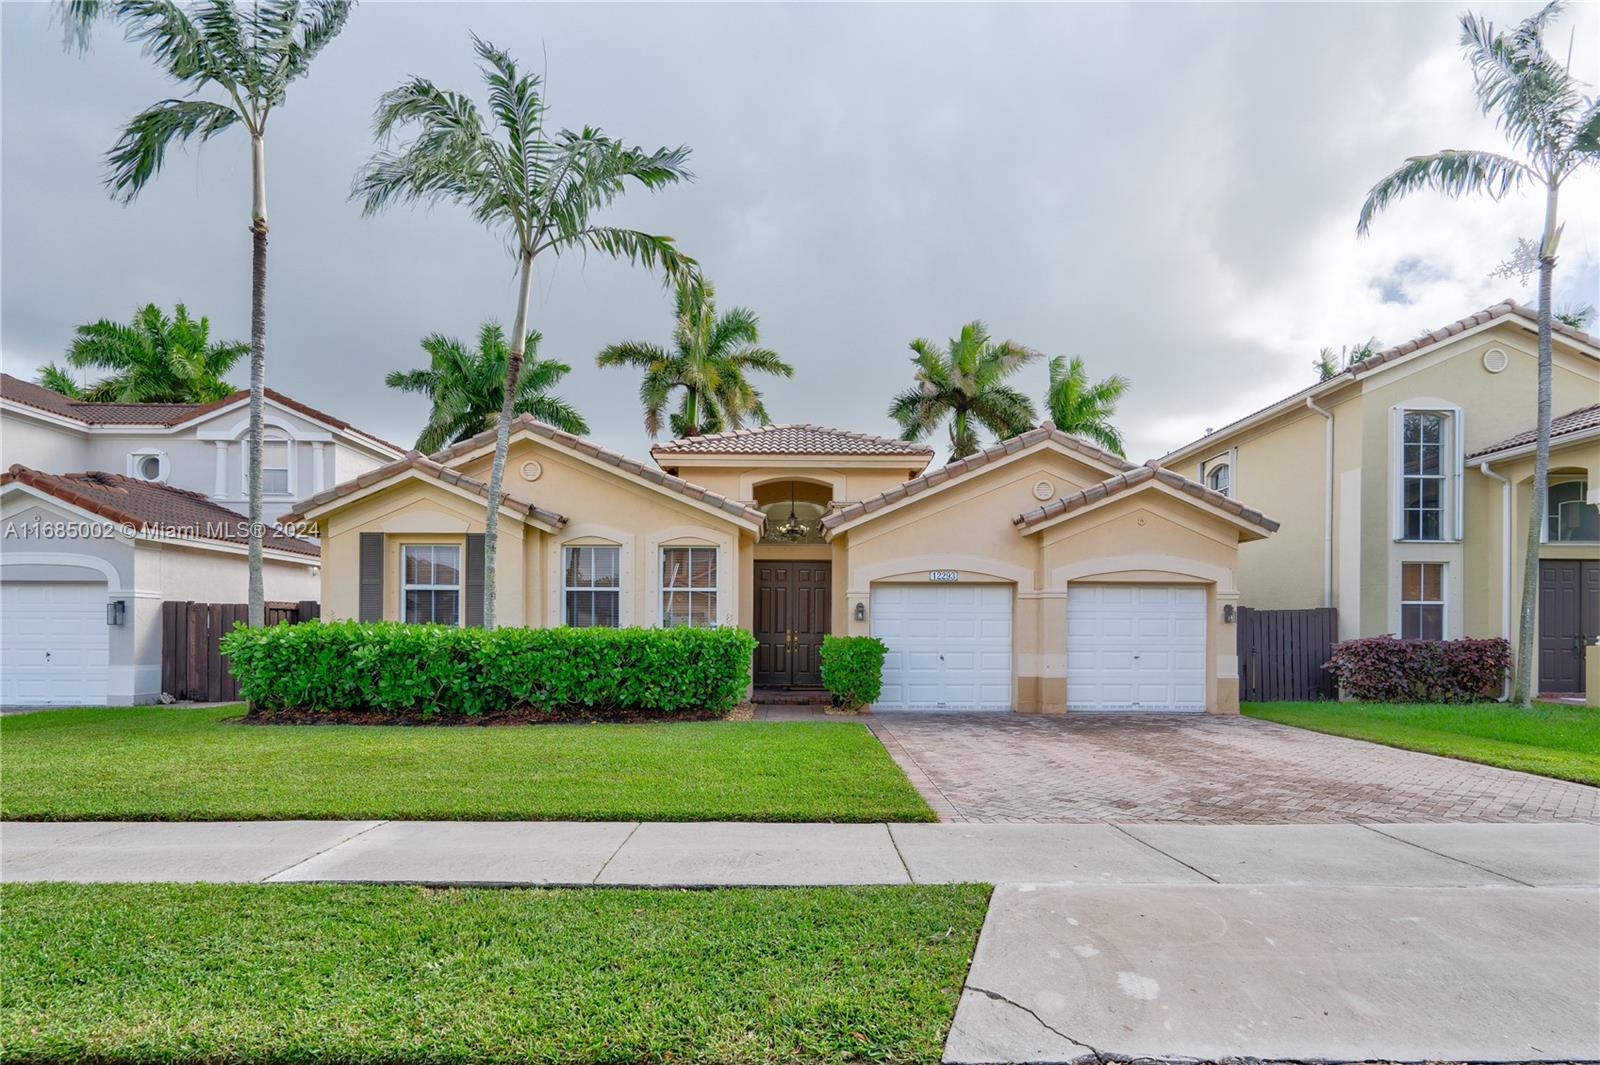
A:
(473, 598)
(371, 608)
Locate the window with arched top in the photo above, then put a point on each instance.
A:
(591, 585)
(1219, 478)
(1569, 516)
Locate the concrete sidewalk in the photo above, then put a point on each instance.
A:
(706, 854)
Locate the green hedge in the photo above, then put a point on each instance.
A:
(438, 669)
(852, 669)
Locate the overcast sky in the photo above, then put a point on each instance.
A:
(1169, 191)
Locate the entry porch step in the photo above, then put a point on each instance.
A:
(791, 697)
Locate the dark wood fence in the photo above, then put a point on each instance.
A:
(192, 665)
(1281, 653)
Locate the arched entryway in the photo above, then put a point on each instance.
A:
(793, 584)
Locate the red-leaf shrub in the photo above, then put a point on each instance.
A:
(1385, 669)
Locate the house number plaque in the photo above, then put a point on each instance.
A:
(943, 576)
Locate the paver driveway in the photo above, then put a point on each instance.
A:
(1202, 770)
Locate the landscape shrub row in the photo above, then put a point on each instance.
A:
(852, 669)
(1391, 670)
(437, 669)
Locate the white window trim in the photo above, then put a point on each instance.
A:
(1454, 439)
(663, 589)
(459, 587)
(565, 587)
(268, 437)
(164, 464)
(1443, 602)
(1588, 497)
(1228, 458)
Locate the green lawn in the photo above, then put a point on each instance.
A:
(360, 973)
(185, 763)
(1550, 739)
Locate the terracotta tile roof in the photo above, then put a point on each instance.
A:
(415, 460)
(962, 467)
(164, 415)
(156, 509)
(1136, 476)
(1387, 355)
(1568, 424)
(614, 458)
(790, 439)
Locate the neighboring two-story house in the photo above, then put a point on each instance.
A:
(1403, 485)
(109, 509)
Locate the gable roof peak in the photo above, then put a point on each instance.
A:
(791, 438)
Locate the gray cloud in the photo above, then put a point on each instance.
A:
(1136, 184)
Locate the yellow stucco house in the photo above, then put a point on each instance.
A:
(1404, 486)
(1041, 575)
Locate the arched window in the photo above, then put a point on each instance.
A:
(1569, 517)
(1219, 478)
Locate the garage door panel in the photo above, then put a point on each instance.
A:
(951, 645)
(1136, 647)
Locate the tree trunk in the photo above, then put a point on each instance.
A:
(1527, 666)
(258, 369)
(502, 441)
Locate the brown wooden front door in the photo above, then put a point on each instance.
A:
(792, 616)
(1569, 616)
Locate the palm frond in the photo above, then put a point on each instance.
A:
(142, 149)
(1452, 172)
(59, 379)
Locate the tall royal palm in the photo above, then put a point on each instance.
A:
(236, 63)
(1555, 131)
(466, 387)
(1082, 407)
(538, 190)
(709, 366)
(965, 383)
(152, 359)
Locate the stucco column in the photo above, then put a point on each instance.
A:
(1224, 650)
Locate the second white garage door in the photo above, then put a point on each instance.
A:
(949, 646)
(1136, 647)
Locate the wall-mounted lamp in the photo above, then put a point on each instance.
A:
(116, 611)
(1227, 613)
(861, 611)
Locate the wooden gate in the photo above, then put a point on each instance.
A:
(1281, 653)
(192, 665)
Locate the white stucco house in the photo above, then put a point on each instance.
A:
(107, 510)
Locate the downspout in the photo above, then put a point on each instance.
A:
(1327, 502)
(1505, 560)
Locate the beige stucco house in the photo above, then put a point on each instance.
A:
(1042, 574)
(1404, 486)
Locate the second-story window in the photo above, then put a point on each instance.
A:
(274, 466)
(1219, 478)
(1422, 474)
(1569, 517)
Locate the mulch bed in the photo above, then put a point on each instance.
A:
(521, 715)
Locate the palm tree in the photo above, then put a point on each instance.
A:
(536, 189)
(710, 362)
(466, 387)
(1330, 364)
(1538, 105)
(1085, 409)
(243, 57)
(152, 359)
(965, 383)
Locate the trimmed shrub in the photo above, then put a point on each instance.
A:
(852, 669)
(1389, 670)
(439, 669)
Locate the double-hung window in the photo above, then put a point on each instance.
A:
(689, 586)
(591, 586)
(1422, 601)
(1423, 475)
(430, 583)
(274, 466)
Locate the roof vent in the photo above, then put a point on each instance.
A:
(1495, 360)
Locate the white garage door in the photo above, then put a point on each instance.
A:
(949, 646)
(52, 643)
(1136, 647)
